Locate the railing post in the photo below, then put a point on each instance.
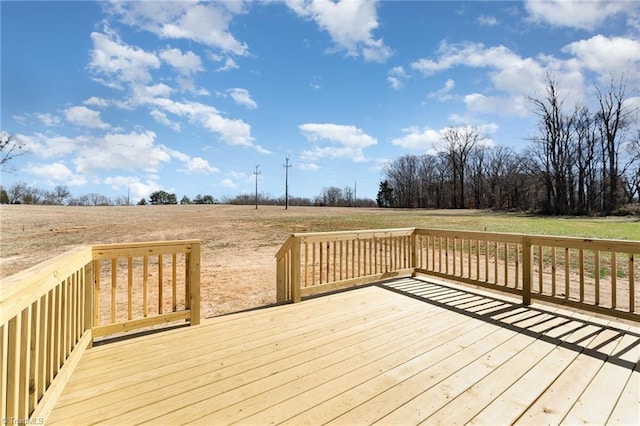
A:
(295, 269)
(526, 271)
(414, 252)
(89, 283)
(194, 281)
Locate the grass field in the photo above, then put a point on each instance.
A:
(239, 242)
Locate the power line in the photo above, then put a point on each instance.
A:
(257, 173)
(286, 183)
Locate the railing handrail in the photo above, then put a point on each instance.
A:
(141, 248)
(15, 296)
(361, 232)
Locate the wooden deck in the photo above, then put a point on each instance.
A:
(402, 352)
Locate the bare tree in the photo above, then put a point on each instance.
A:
(613, 119)
(61, 194)
(459, 142)
(402, 175)
(553, 148)
(10, 147)
(631, 178)
(331, 196)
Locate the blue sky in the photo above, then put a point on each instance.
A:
(188, 97)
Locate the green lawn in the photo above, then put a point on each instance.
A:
(626, 228)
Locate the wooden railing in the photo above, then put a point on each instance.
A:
(51, 313)
(589, 274)
(313, 263)
(145, 284)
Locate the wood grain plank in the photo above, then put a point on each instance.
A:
(598, 400)
(559, 398)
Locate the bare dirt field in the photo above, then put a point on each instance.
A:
(238, 242)
(238, 268)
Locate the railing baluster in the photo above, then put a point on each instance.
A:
(567, 280)
(174, 283)
(306, 263)
(313, 264)
(334, 253)
(553, 271)
(145, 286)
(478, 260)
(596, 273)
(25, 353)
(160, 284)
(506, 264)
(614, 276)
(581, 266)
(632, 287)
(517, 265)
(129, 287)
(540, 276)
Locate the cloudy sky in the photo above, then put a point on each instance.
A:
(189, 97)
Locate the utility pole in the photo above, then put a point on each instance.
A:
(286, 183)
(355, 194)
(257, 173)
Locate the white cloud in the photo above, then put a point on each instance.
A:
(579, 13)
(477, 102)
(162, 118)
(129, 151)
(307, 166)
(133, 185)
(143, 94)
(350, 24)
(513, 76)
(513, 71)
(55, 173)
(48, 146)
(85, 117)
(228, 183)
(118, 60)
(416, 139)
(229, 64)
(198, 165)
(242, 97)
(430, 141)
(607, 56)
(396, 77)
(97, 102)
(443, 94)
(48, 120)
(344, 141)
(487, 20)
(185, 63)
(203, 22)
(233, 132)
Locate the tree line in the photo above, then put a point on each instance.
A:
(581, 161)
(22, 193)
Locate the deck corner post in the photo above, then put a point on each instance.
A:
(526, 271)
(295, 270)
(414, 252)
(194, 281)
(89, 284)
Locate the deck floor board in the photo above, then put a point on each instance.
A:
(401, 352)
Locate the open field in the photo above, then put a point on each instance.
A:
(239, 242)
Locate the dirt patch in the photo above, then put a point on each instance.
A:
(238, 269)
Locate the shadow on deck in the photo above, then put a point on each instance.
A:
(400, 352)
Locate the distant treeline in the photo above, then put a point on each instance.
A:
(22, 193)
(580, 162)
